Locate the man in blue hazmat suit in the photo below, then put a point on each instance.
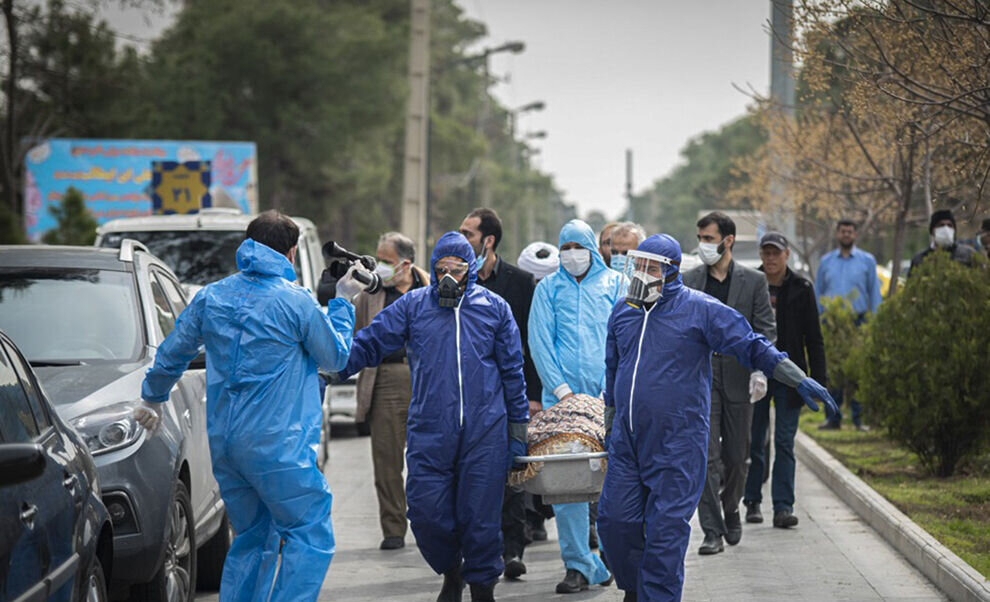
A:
(567, 329)
(657, 397)
(467, 418)
(264, 337)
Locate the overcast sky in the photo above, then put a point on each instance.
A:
(615, 74)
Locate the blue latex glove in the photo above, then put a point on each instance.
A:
(516, 448)
(810, 390)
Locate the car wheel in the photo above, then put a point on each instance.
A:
(176, 578)
(364, 429)
(210, 558)
(95, 585)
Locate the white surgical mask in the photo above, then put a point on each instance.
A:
(709, 253)
(944, 236)
(385, 271)
(576, 261)
(618, 262)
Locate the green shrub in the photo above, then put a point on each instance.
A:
(76, 225)
(842, 340)
(925, 363)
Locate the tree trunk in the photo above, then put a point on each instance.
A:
(10, 138)
(900, 226)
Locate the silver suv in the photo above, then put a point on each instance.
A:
(89, 321)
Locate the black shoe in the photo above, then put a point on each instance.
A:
(452, 586)
(483, 592)
(784, 520)
(539, 533)
(593, 538)
(514, 567)
(392, 543)
(733, 528)
(753, 514)
(830, 426)
(629, 597)
(711, 545)
(573, 583)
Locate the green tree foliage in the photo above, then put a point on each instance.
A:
(701, 181)
(76, 225)
(924, 363)
(319, 85)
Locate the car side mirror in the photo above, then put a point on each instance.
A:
(20, 462)
(199, 363)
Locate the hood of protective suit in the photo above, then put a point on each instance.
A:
(580, 232)
(453, 244)
(666, 246)
(254, 257)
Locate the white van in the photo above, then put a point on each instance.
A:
(201, 247)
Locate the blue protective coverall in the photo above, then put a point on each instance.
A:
(659, 380)
(567, 328)
(264, 336)
(467, 383)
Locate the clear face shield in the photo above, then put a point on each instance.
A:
(647, 273)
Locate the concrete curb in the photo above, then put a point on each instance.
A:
(948, 572)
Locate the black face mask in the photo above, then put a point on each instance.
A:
(449, 291)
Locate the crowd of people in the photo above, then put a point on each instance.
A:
(454, 361)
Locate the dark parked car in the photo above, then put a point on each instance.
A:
(90, 320)
(56, 540)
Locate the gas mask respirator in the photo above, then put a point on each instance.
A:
(449, 291)
(647, 273)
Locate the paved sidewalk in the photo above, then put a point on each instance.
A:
(831, 555)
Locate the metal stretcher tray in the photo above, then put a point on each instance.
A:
(567, 478)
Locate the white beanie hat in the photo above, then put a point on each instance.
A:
(539, 259)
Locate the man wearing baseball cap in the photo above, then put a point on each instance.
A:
(799, 334)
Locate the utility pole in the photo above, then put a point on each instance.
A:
(415, 182)
(782, 97)
(629, 184)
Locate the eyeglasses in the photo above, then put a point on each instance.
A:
(454, 268)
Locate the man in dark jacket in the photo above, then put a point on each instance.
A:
(799, 334)
(483, 230)
(734, 386)
(942, 228)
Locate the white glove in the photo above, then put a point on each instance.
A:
(757, 386)
(348, 287)
(148, 415)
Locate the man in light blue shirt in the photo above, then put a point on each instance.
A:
(851, 273)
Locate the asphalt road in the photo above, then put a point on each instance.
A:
(831, 555)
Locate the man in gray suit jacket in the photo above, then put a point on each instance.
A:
(733, 386)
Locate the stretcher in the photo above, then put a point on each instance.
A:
(566, 478)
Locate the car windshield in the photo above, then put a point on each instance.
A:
(196, 256)
(67, 316)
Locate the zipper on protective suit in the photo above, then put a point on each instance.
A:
(457, 338)
(639, 352)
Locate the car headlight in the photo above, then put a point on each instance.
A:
(109, 428)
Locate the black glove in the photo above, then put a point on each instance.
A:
(327, 288)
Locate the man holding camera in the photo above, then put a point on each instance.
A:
(264, 337)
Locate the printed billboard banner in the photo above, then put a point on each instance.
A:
(116, 177)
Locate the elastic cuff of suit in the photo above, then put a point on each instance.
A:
(562, 391)
(517, 431)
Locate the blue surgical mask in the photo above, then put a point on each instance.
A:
(618, 262)
(479, 261)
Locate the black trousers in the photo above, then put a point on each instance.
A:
(513, 522)
(728, 460)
